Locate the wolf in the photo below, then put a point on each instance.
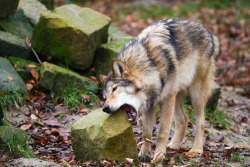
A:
(167, 59)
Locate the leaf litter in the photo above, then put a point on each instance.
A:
(50, 136)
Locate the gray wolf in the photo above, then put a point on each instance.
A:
(166, 59)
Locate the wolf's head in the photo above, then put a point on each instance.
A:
(121, 89)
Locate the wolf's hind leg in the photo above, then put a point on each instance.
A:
(148, 119)
(181, 122)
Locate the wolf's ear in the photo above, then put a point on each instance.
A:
(103, 78)
(119, 68)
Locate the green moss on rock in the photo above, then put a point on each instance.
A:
(22, 67)
(71, 34)
(100, 135)
(53, 77)
(110, 50)
(17, 24)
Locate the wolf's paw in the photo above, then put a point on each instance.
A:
(158, 158)
(196, 150)
(143, 152)
(173, 145)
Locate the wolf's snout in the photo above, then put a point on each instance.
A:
(106, 109)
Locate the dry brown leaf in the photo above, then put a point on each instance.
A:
(29, 86)
(26, 126)
(192, 154)
(33, 65)
(148, 140)
(33, 116)
(10, 78)
(86, 97)
(34, 74)
(129, 160)
(140, 143)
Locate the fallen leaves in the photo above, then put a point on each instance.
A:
(52, 122)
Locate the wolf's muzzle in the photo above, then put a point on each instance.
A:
(106, 109)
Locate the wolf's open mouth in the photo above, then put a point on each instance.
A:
(131, 112)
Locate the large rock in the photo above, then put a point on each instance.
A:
(71, 34)
(100, 135)
(108, 51)
(53, 77)
(23, 67)
(32, 9)
(11, 45)
(9, 134)
(8, 7)
(9, 79)
(50, 4)
(17, 24)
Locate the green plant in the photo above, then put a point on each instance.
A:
(72, 96)
(62, 117)
(217, 116)
(194, 164)
(236, 158)
(18, 144)
(10, 98)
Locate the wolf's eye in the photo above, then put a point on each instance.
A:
(114, 89)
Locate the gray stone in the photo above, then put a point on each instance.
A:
(17, 24)
(53, 77)
(11, 45)
(100, 135)
(9, 79)
(71, 34)
(32, 10)
(32, 162)
(22, 67)
(8, 7)
(108, 51)
(50, 4)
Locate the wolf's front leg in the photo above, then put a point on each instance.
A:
(148, 119)
(167, 111)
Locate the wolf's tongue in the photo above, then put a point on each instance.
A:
(131, 113)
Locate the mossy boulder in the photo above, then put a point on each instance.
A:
(8, 134)
(17, 24)
(100, 135)
(23, 68)
(32, 10)
(71, 34)
(11, 135)
(8, 7)
(212, 102)
(9, 78)
(11, 45)
(50, 4)
(53, 77)
(108, 51)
